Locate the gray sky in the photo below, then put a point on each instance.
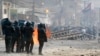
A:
(96, 3)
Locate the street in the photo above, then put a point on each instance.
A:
(60, 48)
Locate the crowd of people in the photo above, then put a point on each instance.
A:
(21, 35)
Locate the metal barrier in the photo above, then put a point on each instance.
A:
(71, 35)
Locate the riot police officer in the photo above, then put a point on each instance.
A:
(28, 32)
(22, 42)
(7, 31)
(16, 37)
(41, 36)
(32, 42)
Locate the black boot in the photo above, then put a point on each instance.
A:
(40, 51)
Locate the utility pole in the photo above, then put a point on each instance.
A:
(97, 34)
(61, 12)
(33, 18)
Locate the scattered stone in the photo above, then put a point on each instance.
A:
(62, 42)
(81, 55)
(58, 49)
(62, 50)
(53, 52)
(95, 51)
(45, 52)
(93, 55)
(59, 54)
(70, 47)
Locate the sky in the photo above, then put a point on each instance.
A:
(95, 3)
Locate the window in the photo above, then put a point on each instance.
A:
(5, 11)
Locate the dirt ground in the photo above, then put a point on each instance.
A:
(61, 48)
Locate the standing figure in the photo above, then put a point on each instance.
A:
(21, 42)
(16, 37)
(7, 31)
(41, 36)
(28, 32)
(32, 42)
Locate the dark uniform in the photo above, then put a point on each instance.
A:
(16, 37)
(7, 31)
(32, 42)
(41, 37)
(28, 32)
(22, 43)
(3, 24)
